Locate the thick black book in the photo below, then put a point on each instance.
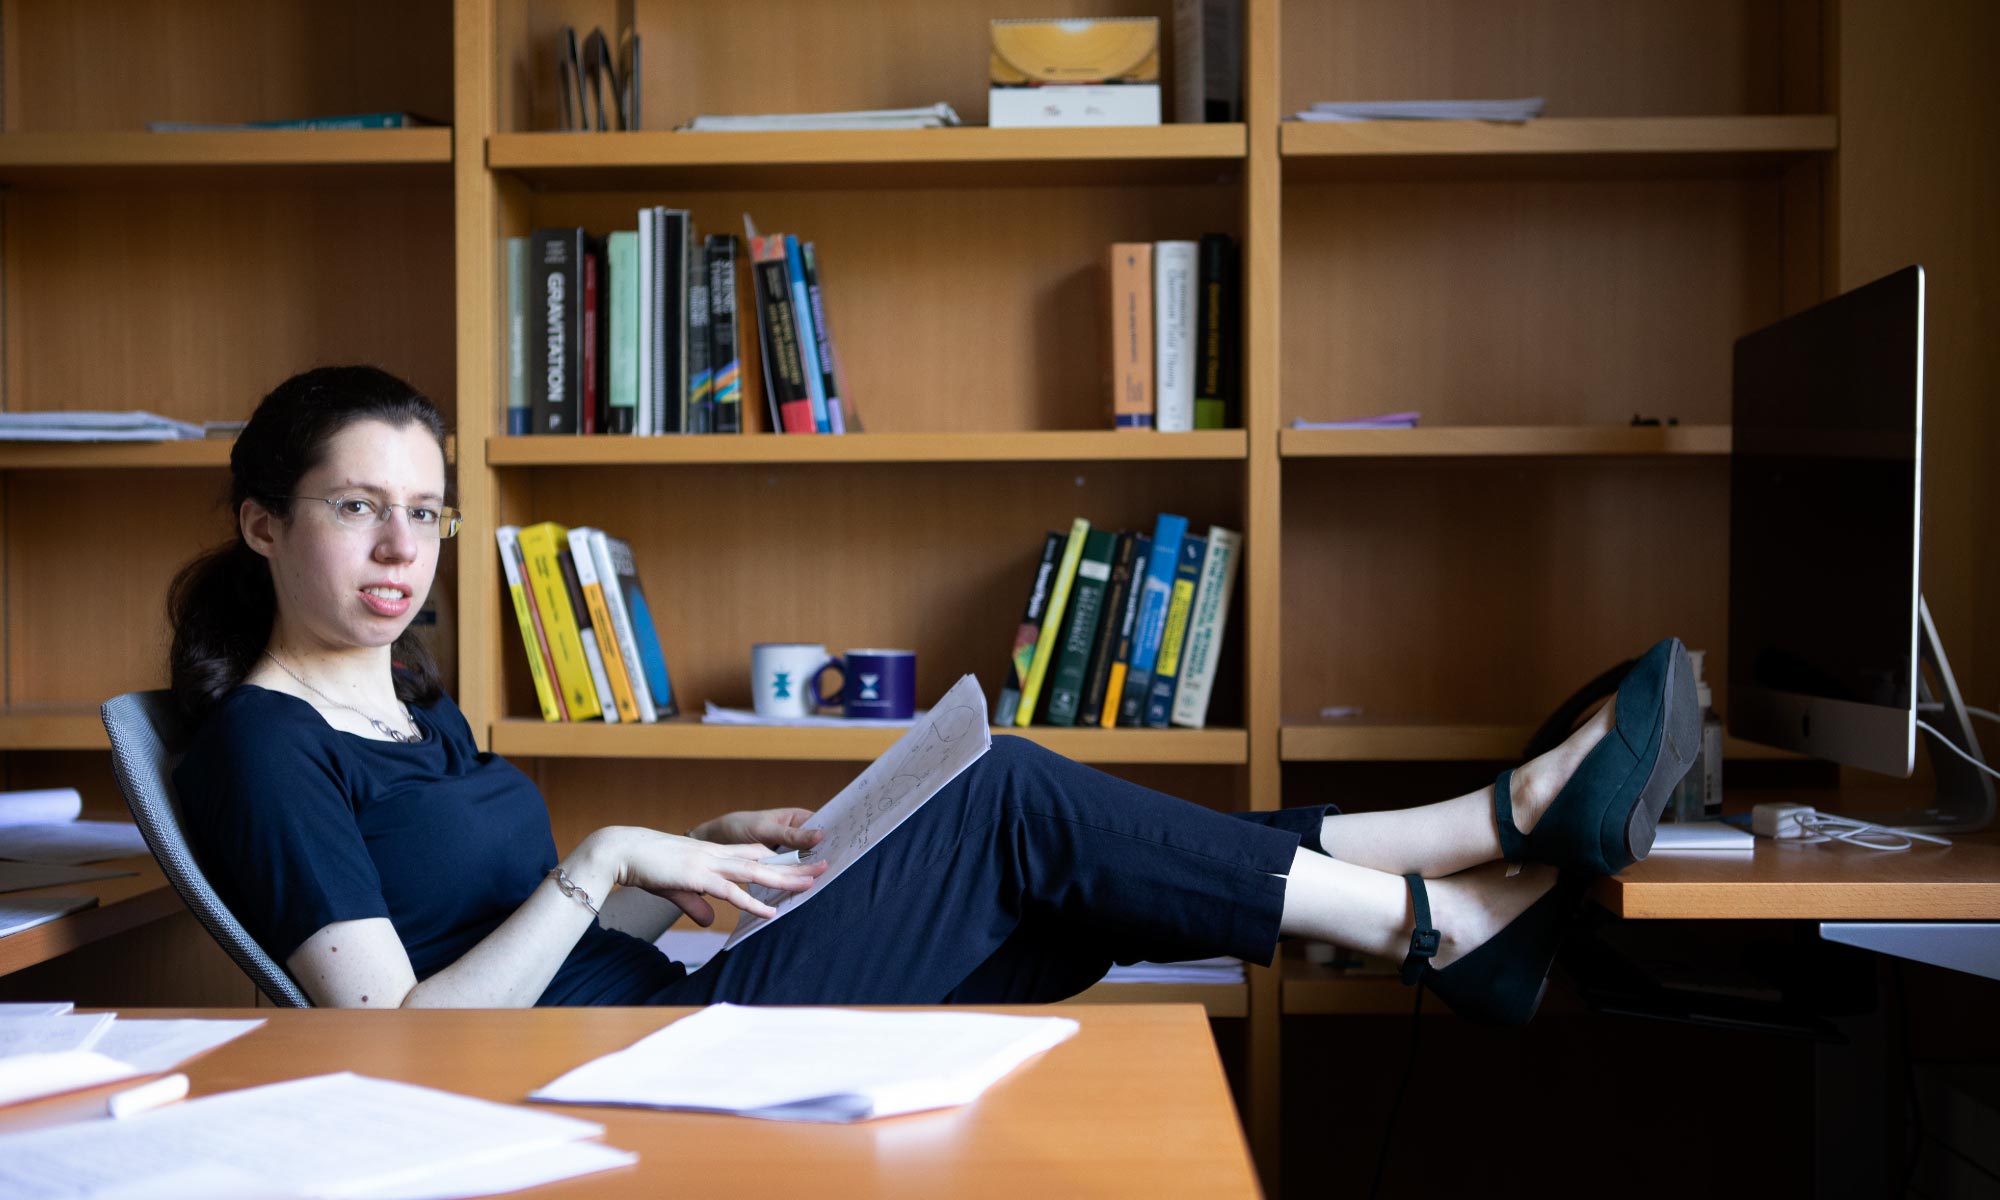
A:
(1217, 334)
(670, 377)
(778, 334)
(555, 317)
(724, 370)
(1097, 674)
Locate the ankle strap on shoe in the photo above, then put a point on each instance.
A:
(1423, 938)
(1512, 842)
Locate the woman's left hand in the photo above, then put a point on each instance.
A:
(777, 828)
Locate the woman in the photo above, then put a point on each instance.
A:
(339, 803)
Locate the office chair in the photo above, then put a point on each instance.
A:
(148, 736)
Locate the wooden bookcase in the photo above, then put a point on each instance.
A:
(1530, 289)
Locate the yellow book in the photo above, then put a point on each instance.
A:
(1045, 646)
(579, 690)
(508, 537)
(600, 620)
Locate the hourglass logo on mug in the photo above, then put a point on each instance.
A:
(787, 679)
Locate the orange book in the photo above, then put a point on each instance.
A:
(1132, 335)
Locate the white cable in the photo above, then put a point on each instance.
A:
(1949, 745)
(1816, 828)
(1977, 712)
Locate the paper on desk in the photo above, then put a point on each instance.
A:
(52, 1035)
(37, 1008)
(1680, 838)
(19, 914)
(44, 807)
(21, 876)
(163, 1045)
(948, 740)
(70, 843)
(522, 1169)
(32, 1076)
(812, 1064)
(330, 1135)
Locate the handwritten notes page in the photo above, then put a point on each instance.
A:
(936, 749)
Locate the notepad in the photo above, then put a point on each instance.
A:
(812, 1064)
(1701, 835)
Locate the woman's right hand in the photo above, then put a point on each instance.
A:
(687, 870)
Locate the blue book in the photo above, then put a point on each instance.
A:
(802, 316)
(374, 120)
(1151, 623)
(651, 657)
(1173, 638)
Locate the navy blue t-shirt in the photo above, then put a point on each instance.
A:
(299, 825)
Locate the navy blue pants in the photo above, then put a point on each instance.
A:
(1022, 881)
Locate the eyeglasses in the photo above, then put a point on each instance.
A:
(360, 512)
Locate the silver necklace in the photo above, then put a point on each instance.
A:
(382, 727)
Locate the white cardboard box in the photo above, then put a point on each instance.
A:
(1060, 105)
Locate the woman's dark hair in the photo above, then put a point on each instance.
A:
(222, 604)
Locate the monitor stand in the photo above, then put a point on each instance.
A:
(1964, 793)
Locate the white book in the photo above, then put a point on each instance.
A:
(613, 562)
(642, 418)
(1173, 336)
(1205, 622)
(812, 1064)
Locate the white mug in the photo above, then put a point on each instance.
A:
(781, 677)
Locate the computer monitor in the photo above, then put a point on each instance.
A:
(1824, 483)
(1828, 633)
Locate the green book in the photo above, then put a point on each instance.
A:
(520, 410)
(623, 255)
(1045, 645)
(1086, 609)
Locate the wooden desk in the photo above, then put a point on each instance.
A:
(1134, 1105)
(123, 903)
(1960, 882)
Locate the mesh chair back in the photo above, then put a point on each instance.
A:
(149, 734)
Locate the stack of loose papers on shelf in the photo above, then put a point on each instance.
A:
(1397, 420)
(42, 827)
(935, 116)
(1524, 109)
(811, 1064)
(714, 714)
(1200, 970)
(94, 427)
(42, 1054)
(330, 1135)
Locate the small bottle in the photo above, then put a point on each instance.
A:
(1698, 796)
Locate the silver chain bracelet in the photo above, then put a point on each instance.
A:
(568, 887)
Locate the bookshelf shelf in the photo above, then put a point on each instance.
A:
(921, 157)
(69, 159)
(1220, 999)
(52, 728)
(27, 456)
(1059, 446)
(1358, 742)
(1505, 441)
(1313, 990)
(1607, 145)
(688, 738)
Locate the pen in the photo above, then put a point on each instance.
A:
(147, 1096)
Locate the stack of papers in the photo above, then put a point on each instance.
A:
(1693, 836)
(1524, 109)
(42, 1054)
(1200, 970)
(42, 827)
(93, 427)
(715, 714)
(331, 1135)
(810, 1064)
(935, 116)
(1398, 420)
(21, 914)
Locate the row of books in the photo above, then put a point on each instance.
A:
(1176, 335)
(1122, 629)
(632, 333)
(593, 649)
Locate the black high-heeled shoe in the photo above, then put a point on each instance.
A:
(1501, 981)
